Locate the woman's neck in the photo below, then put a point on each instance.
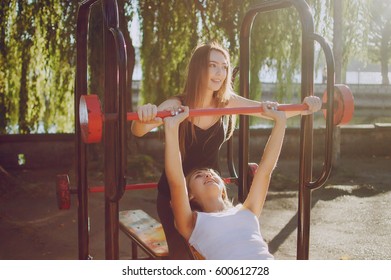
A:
(214, 205)
(207, 100)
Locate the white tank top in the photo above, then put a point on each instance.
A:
(233, 234)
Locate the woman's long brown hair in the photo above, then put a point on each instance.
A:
(196, 80)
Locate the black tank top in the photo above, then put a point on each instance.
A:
(200, 153)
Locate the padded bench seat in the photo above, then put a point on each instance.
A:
(145, 232)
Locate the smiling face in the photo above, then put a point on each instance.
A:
(217, 70)
(208, 75)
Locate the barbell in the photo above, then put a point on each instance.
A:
(91, 117)
(64, 190)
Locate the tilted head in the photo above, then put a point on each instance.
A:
(206, 188)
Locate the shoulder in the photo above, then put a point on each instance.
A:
(172, 101)
(236, 100)
(188, 230)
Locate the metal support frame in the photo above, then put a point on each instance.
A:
(115, 132)
(306, 135)
(115, 60)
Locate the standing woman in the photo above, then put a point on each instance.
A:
(208, 85)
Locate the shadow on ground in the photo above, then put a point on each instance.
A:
(349, 217)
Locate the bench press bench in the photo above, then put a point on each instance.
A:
(145, 232)
(148, 234)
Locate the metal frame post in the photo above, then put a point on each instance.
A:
(306, 132)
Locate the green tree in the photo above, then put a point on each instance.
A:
(37, 58)
(379, 49)
(171, 29)
(5, 54)
(37, 50)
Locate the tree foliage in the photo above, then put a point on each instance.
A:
(379, 49)
(173, 28)
(37, 59)
(37, 49)
(355, 31)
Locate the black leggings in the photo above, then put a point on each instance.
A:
(177, 245)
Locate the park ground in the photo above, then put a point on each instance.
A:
(350, 217)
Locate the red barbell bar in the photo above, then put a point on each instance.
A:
(64, 191)
(92, 118)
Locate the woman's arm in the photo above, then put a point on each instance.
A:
(147, 115)
(314, 104)
(260, 185)
(180, 204)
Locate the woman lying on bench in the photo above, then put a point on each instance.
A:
(203, 214)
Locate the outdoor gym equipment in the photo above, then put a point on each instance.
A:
(308, 39)
(92, 118)
(64, 190)
(115, 129)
